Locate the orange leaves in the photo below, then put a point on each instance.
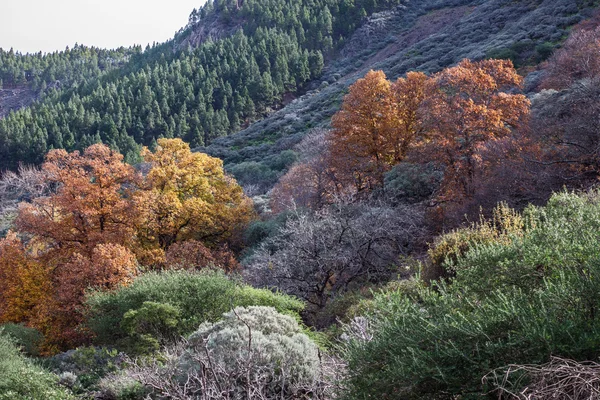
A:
(468, 109)
(24, 282)
(376, 126)
(448, 117)
(102, 218)
(90, 205)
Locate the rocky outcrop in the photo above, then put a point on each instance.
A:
(14, 99)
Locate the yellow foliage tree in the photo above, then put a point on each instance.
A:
(24, 282)
(187, 196)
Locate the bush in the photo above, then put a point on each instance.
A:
(198, 297)
(82, 369)
(20, 379)
(253, 352)
(411, 183)
(504, 225)
(150, 326)
(516, 298)
(28, 339)
(561, 237)
(253, 173)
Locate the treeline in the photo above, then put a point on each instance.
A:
(312, 20)
(69, 67)
(192, 94)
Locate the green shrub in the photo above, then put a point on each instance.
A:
(82, 369)
(20, 379)
(561, 237)
(411, 183)
(516, 298)
(198, 297)
(253, 173)
(28, 339)
(150, 326)
(445, 251)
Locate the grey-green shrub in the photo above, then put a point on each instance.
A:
(82, 369)
(253, 350)
(198, 297)
(21, 379)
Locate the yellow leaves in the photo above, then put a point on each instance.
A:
(24, 282)
(102, 219)
(188, 196)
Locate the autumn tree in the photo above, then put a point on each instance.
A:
(361, 130)
(83, 233)
(24, 282)
(376, 126)
(471, 107)
(187, 196)
(409, 95)
(311, 182)
(91, 205)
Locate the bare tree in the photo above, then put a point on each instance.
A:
(317, 255)
(27, 183)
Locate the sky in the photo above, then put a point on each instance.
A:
(30, 26)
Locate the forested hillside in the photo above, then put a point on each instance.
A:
(420, 35)
(196, 93)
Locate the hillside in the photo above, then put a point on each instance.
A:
(186, 88)
(419, 35)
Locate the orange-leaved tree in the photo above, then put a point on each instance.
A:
(92, 204)
(83, 233)
(376, 126)
(409, 95)
(361, 130)
(188, 196)
(24, 282)
(471, 106)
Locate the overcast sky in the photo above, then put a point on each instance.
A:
(49, 25)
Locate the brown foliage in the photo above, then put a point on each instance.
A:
(192, 254)
(81, 234)
(579, 58)
(469, 110)
(376, 126)
(24, 282)
(90, 206)
(310, 183)
(100, 217)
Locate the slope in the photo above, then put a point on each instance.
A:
(420, 35)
